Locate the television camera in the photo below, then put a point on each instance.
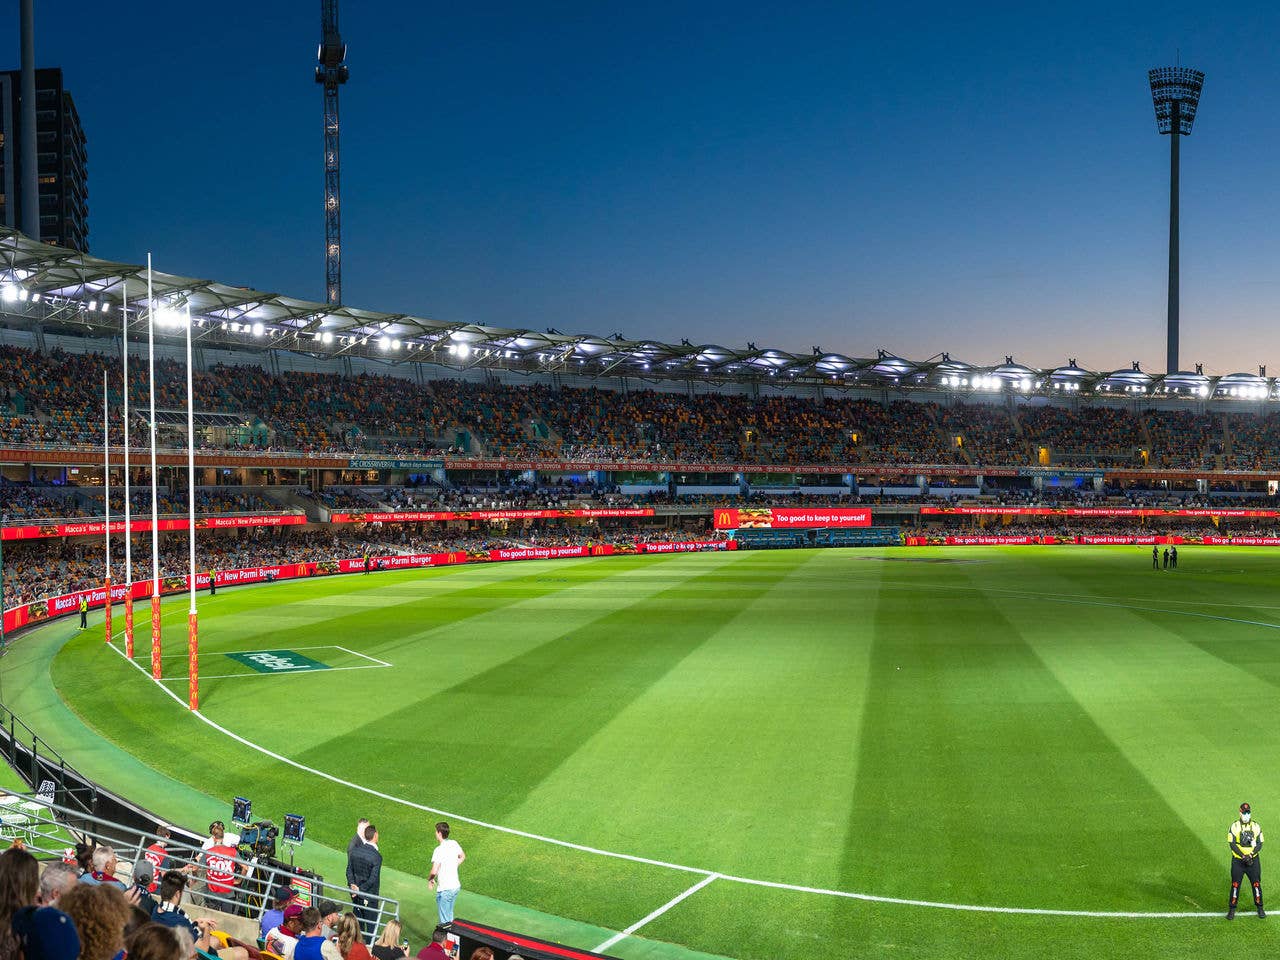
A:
(258, 839)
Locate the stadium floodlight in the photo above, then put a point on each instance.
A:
(258, 329)
(167, 316)
(9, 291)
(1175, 92)
(326, 337)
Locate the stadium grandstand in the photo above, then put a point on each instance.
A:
(344, 441)
(327, 434)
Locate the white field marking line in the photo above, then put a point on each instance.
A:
(276, 673)
(632, 858)
(323, 646)
(381, 663)
(317, 646)
(656, 914)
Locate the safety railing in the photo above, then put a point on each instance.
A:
(39, 764)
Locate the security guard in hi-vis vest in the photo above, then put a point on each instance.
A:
(1245, 840)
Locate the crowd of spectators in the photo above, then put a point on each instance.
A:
(1108, 433)
(93, 906)
(31, 502)
(55, 398)
(34, 569)
(1255, 442)
(1184, 440)
(208, 501)
(988, 432)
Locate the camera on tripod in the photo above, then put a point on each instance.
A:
(259, 839)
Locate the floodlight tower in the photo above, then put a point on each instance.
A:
(331, 73)
(1176, 94)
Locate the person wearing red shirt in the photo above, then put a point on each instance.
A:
(435, 950)
(157, 854)
(221, 873)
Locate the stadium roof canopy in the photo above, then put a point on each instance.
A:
(64, 289)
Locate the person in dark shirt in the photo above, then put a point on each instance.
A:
(170, 914)
(364, 877)
(353, 843)
(389, 946)
(143, 878)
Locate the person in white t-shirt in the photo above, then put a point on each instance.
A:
(445, 860)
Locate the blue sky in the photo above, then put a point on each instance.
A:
(982, 179)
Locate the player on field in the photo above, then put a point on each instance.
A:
(1245, 840)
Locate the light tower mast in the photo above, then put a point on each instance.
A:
(1175, 91)
(331, 73)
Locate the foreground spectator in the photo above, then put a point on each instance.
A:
(105, 863)
(329, 916)
(57, 879)
(170, 914)
(389, 946)
(84, 857)
(313, 944)
(435, 950)
(282, 940)
(19, 885)
(154, 941)
(100, 912)
(350, 942)
(44, 933)
(282, 896)
(143, 882)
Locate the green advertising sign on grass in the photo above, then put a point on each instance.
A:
(277, 661)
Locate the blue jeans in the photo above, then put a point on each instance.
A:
(444, 904)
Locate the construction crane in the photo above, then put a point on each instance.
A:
(331, 73)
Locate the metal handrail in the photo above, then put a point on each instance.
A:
(31, 767)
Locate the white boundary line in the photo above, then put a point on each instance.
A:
(708, 875)
(376, 664)
(276, 673)
(656, 914)
(381, 663)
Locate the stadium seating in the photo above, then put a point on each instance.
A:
(53, 398)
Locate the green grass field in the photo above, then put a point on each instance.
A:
(1058, 729)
